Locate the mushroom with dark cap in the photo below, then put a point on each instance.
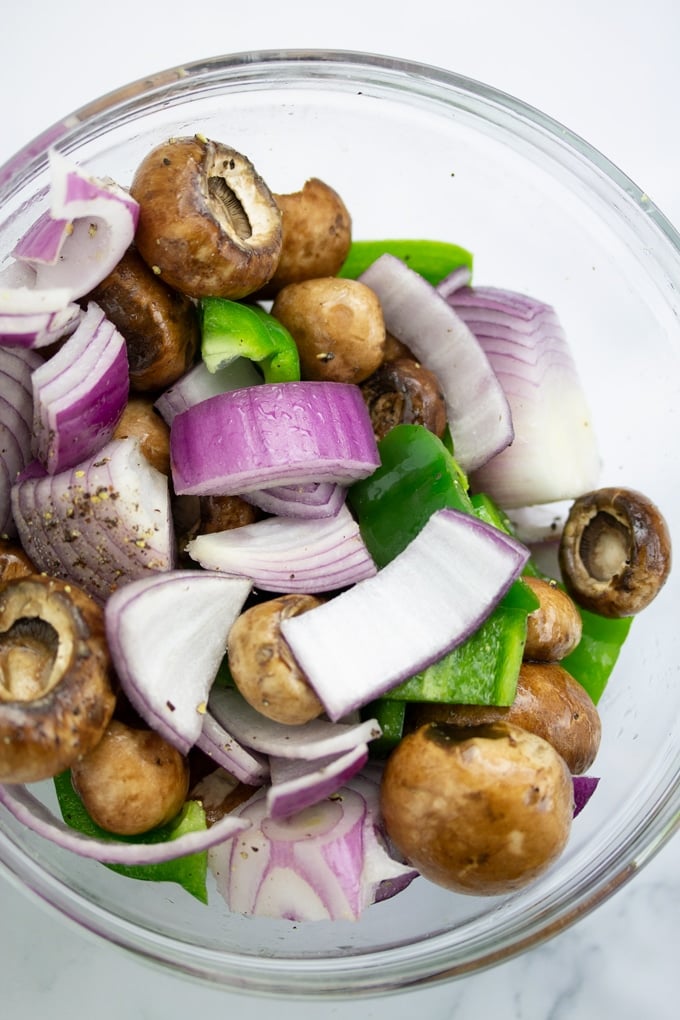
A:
(56, 693)
(615, 551)
(208, 223)
(484, 810)
(402, 391)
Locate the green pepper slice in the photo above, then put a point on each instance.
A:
(594, 658)
(231, 329)
(432, 259)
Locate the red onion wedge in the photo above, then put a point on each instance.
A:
(64, 254)
(306, 742)
(285, 554)
(90, 224)
(167, 635)
(323, 863)
(27, 809)
(247, 766)
(298, 784)
(16, 417)
(80, 393)
(198, 384)
(425, 602)
(274, 434)
(584, 788)
(100, 524)
(478, 412)
(554, 454)
(317, 499)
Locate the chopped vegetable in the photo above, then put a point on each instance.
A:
(455, 571)
(274, 434)
(478, 411)
(231, 330)
(16, 418)
(433, 260)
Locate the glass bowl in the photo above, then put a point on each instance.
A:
(419, 152)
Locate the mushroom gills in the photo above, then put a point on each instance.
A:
(28, 650)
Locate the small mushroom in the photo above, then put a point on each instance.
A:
(548, 702)
(141, 421)
(132, 781)
(13, 561)
(555, 628)
(56, 693)
(262, 665)
(208, 224)
(222, 513)
(338, 327)
(403, 391)
(615, 552)
(316, 235)
(160, 325)
(481, 810)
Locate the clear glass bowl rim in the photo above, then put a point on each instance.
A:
(423, 962)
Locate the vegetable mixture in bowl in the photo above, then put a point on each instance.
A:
(330, 525)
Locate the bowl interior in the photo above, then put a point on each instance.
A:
(417, 152)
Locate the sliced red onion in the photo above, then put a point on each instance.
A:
(309, 741)
(478, 412)
(32, 813)
(323, 863)
(274, 434)
(80, 393)
(317, 499)
(198, 384)
(167, 635)
(426, 601)
(99, 524)
(584, 788)
(297, 784)
(285, 554)
(554, 454)
(16, 416)
(64, 255)
(247, 766)
(460, 277)
(90, 225)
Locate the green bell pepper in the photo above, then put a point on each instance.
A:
(594, 658)
(432, 259)
(417, 475)
(231, 329)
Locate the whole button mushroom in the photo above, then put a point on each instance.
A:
(160, 325)
(208, 223)
(56, 693)
(402, 391)
(262, 665)
(338, 327)
(555, 628)
(549, 702)
(615, 552)
(316, 235)
(482, 811)
(141, 421)
(132, 781)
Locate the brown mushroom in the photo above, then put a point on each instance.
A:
(483, 810)
(555, 628)
(549, 702)
(56, 693)
(140, 421)
(615, 552)
(403, 391)
(222, 513)
(208, 223)
(13, 561)
(262, 665)
(316, 235)
(160, 325)
(132, 781)
(338, 327)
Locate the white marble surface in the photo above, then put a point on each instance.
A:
(607, 70)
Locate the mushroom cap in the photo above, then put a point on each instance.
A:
(482, 811)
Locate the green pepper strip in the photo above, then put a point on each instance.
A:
(432, 259)
(233, 330)
(417, 476)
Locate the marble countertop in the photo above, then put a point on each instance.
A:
(610, 73)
